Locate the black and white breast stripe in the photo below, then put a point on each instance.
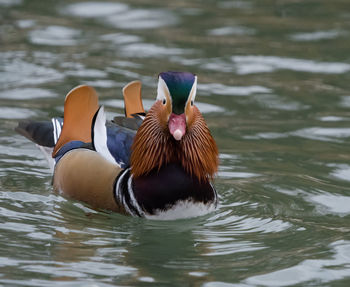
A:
(124, 194)
(167, 193)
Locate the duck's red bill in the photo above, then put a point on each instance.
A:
(177, 126)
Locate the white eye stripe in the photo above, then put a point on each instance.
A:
(193, 92)
(162, 90)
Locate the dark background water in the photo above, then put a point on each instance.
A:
(274, 81)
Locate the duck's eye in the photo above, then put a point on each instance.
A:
(164, 101)
(192, 103)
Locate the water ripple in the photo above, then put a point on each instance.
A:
(236, 174)
(221, 89)
(95, 9)
(27, 94)
(16, 113)
(322, 270)
(142, 19)
(265, 64)
(332, 203)
(9, 3)
(146, 50)
(120, 38)
(87, 73)
(252, 64)
(272, 101)
(25, 24)
(16, 72)
(342, 171)
(119, 15)
(54, 36)
(233, 247)
(323, 134)
(231, 30)
(317, 35)
(333, 119)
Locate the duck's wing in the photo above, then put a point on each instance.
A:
(131, 123)
(44, 133)
(113, 140)
(133, 107)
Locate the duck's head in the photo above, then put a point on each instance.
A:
(176, 92)
(174, 130)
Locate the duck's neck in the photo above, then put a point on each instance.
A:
(154, 147)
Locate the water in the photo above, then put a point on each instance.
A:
(274, 88)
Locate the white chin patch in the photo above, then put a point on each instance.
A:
(178, 135)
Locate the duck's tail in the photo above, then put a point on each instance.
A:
(45, 134)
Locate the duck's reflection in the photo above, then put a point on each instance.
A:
(113, 248)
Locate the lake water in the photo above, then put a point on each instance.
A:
(274, 87)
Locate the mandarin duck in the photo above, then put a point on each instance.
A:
(155, 165)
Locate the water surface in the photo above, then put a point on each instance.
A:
(274, 88)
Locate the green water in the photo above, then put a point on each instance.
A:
(274, 82)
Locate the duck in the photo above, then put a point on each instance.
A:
(157, 165)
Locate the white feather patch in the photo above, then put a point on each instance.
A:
(100, 136)
(162, 90)
(56, 129)
(193, 91)
(183, 209)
